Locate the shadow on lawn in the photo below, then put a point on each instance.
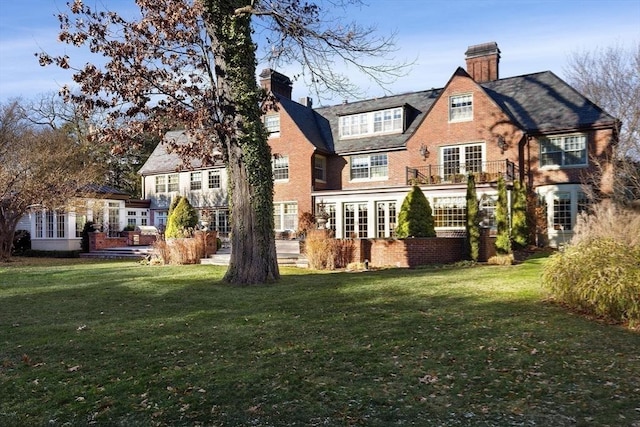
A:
(372, 344)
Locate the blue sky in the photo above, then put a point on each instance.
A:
(532, 36)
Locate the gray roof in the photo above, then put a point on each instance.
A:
(161, 161)
(313, 126)
(537, 103)
(417, 104)
(544, 103)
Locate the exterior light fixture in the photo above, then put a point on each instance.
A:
(424, 151)
(502, 144)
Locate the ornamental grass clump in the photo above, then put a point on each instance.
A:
(599, 271)
(326, 253)
(180, 251)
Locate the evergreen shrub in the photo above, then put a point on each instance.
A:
(416, 217)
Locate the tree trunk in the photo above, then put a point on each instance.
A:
(244, 142)
(8, 223)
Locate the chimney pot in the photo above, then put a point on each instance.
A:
(306, 101)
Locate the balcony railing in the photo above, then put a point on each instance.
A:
(484, 172)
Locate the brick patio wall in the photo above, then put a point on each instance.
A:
(409, 253)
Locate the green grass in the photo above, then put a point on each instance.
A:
(118, 343)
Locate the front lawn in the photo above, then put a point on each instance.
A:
(119, 343)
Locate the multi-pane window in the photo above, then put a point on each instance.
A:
(584, 202)
(114, 219)
(161, 218)
(562, 211)
(569, 150)
(355, 220)
(450, 212)
(354, 125)
(372, 122)
(50, 221)
(386, 219)
(131, 218)
(369, 167)
(487, 206)
(173, 182)
(214, 179)
(161, 184)
(61, 224)
(280, 167)
(272, 123)
(39, 225)
(196, 181)
(285, 216)
(387, 120)
(462, 159)
(320, 168)
(81, 219)
(461, 107)
(143, 218)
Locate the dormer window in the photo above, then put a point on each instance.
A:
(461, 108)
(372, 123)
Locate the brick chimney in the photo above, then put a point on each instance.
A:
(275, 82)
(482, 62)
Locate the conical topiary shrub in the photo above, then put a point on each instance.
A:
(182, 217)
(519, 227)
(473, 220)
(416, 217)
(503, 240)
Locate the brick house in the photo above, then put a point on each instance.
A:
(358, 160)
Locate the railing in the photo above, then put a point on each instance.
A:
(484, 172)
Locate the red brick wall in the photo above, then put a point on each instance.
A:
(99, 240)
(293, 143)
(409, 252)
(599, 149)
(488, 123)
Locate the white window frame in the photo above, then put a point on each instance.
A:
(195, 180)
(320, 168)
(173, 182)
(214, 180)
(463, 162)
(380, 122)
(376, 167)
(285, 216)
(449, 212)
(272, 124)
(161, 183)
(280, 166)
(386, 218)
(461, 107)
(359, 211)
(563, 145)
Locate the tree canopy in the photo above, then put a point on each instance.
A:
(192, 64)
(610, 77)
(40, 168)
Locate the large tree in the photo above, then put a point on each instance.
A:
(119, 167)
(193, 62)
(610, 77)
(40, 167)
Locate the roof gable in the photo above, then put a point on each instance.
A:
(542, 103)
